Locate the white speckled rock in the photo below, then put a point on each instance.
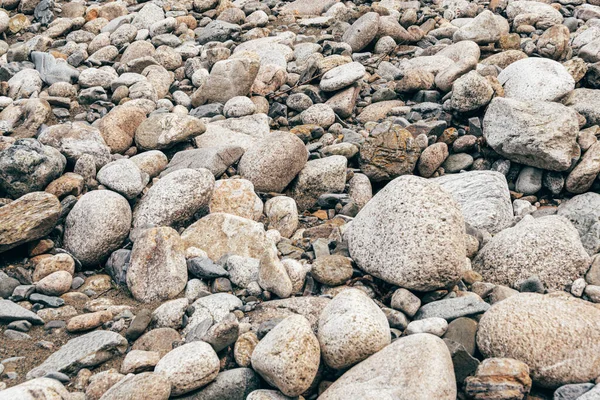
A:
(483, 197)
(425, 214)
(524, 327)
(123, 176)
(351, 328)
(96, 226)
(416, 367)
(339, 77)
(237, 197)
(36, 389)
(548, 247)
(324, 175)
(434, 326)
(282, 213)
(288, 356)
(220, 233)
(189, 367)
(272, 274)
(175, 198)
(584, 213)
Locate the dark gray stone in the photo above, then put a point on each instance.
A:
(117, 265)
(48, 301)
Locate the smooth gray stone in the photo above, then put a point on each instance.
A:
(450, 309)
(10, 311)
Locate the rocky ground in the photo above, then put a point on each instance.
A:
(267, 200)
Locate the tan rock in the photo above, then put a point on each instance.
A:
(244, 347)
(55, 284)
(48, 265)
(85, 322)
(499, 378)
(237, 197)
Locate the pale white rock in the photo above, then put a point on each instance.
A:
(435, 326)
(339, 77)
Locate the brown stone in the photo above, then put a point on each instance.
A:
(85, 322)
(499, 379)
(68, 184)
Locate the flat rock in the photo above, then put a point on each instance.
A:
(10, 311)
(215, 159)
(584, 213)
(450, 309)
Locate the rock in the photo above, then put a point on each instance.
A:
(157, 269)
(160, 340)
(431, 159)
(394, 370)
(539, 134)
(548, 247)
(342, 76)
(388, 152)
(282, 214)
(536, 79)
(529, 181)
(273, 162)
(154, 386)
(84, 351)
(170, 314)
(485, 28)
(332, 270)
(318, 114)
(161, 131)
(96, 226)
(10, 311)
(585, 102)
(572, 391)
(450, 309)
(239, 106)
(233, 384)
(463, 330)
(74, 140)
(499, 378)
(351, 328)
(503, 326)
(85, 322)
(378, 111)
(215, 307)
(118, 127)
(228, 78)
(288, 356)
(362, 31)
(220, 233)
(483, 197)
(272, 274)
(398, 259)
(540, 15)
(29, 166)
(237, 197)
(123, 176)
(242, 270)
(174, 199)
(470, 92)
(434, 326)
(582, 211)
(189, 367)
(28, 218)
(325, 175)
(55, 284)
(151, 162)
(403, 300)
(40, 388)
(581, 178)
(215, 159)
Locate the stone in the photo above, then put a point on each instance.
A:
(154, 386)
(84, 351)
(582, 211)
(175, 198)
(471, 92)
(572, 391)
(342, 76)
(325, 175)
(399, 259)
(529, 181)
(548, 247)
(388, 152)
(239, 106)
(463, 330)
(499, 378)
(539, 134)
(157, 269)
(29, 166)
(584, 101)
(431, 159)
(503, 326)
(332, 270)
(215, 159)
(137, 361)
(307, 7)
(540, 15)
(170, 314)
(403, 300)
(220, 233)
(160, 340)
(118, 127)
(28, 218)
(233, 384)
(40, 388)
(151, 162)
(123, 176)
(362, 31)
(204, 268)
(272, 274)
(228, 78)
(434, 325)
(85, 322)
(450, 309)
(138, 325)
(392, 371)
(288, 356)
(351, 328)
(55, 284)
(485, 28)
(189, 367)
(282, 214)
(161, 131)
(378, 111)
(96, 226)
(242, 270)
(318, 114)
(10, 311)
(273, 162)
(237, 197)
(581, 178)
(215, 307)
(483, 197)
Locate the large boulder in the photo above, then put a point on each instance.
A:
(273, 162)
(96, 226)
(175, 198)
(483, 197)
(220, 233)
(416, 367)
(351, 328)
(157, 269)
(288, 356)
(524, 327)
(584, 213)
(424, 213)
(539, 134)
(28, 166)
(536, 79)
(548, 247)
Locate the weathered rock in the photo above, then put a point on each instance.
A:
(486, 27)
(233, 384)
(154, 386)
(584, 213)
(282, 213)
(157, 269)
(495, 378)
(548, 247)
(10, 311)
(339, 77)
(394, 371)
(400, 259)
(519, 327)
(362, 32)
(40, 388)
(450, 309)
(123, 176)
(332, 270)
(288, 356)
(581, 178)
(215, 159)
(325, 175)
(470, 92)
(162, 131)
(96, 226)
(236, 197)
